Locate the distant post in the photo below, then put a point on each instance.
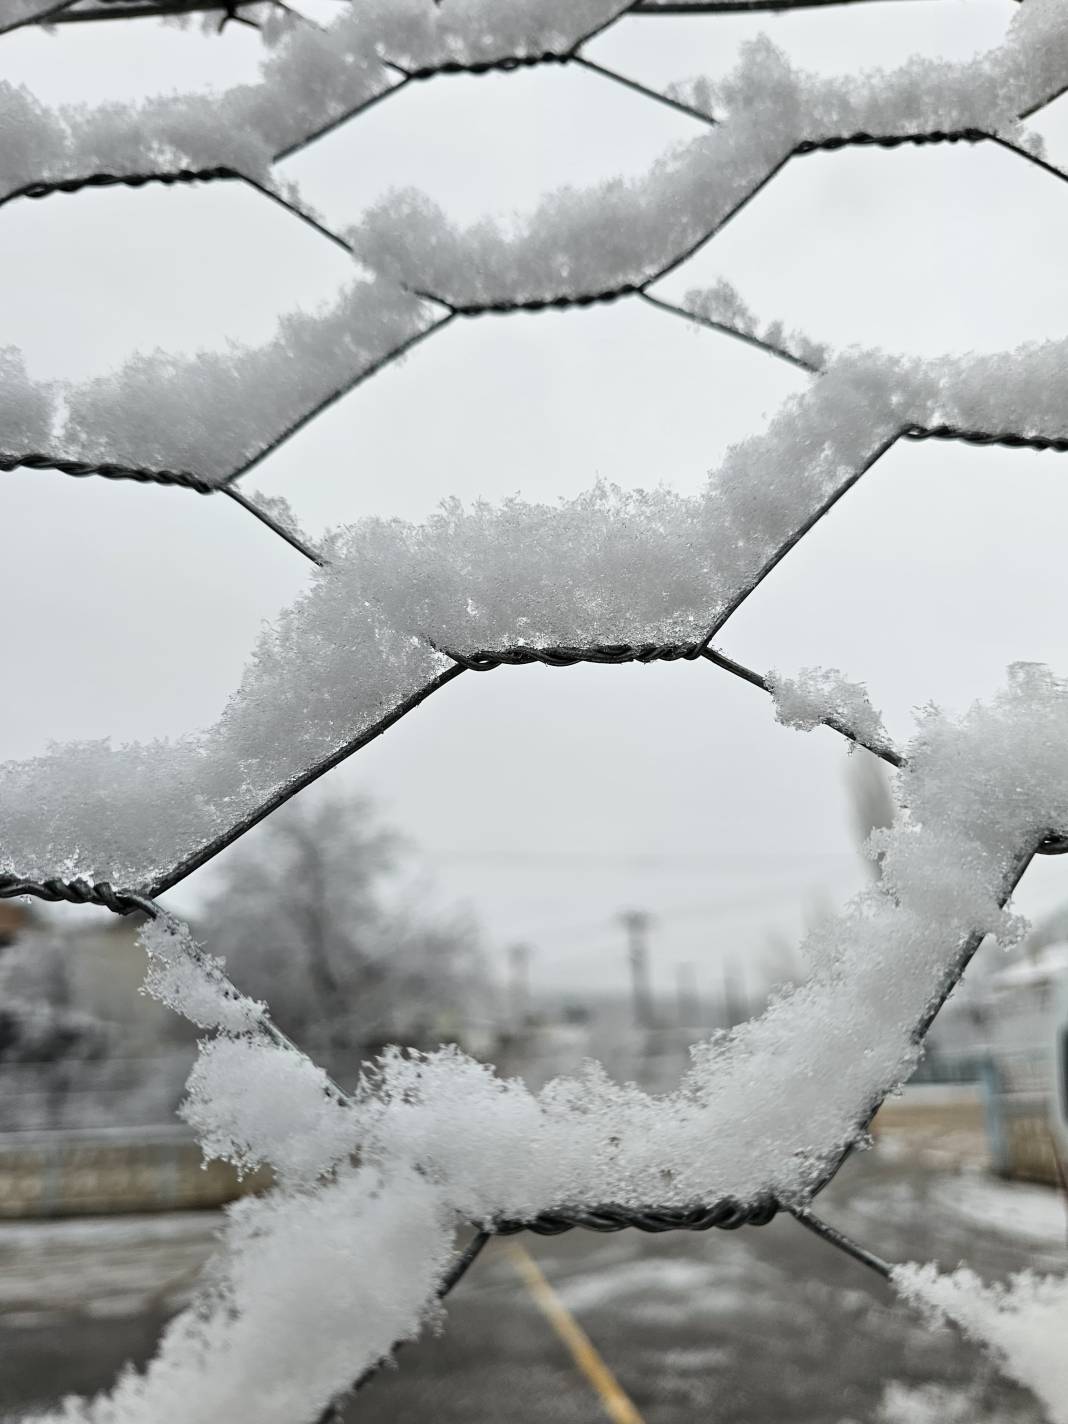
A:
(519, 983)
(735, 1011)
(636, 923)
(686, 988)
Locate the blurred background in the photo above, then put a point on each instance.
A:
(543, 865)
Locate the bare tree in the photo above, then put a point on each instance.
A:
(303, 917)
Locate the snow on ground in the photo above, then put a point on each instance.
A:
(667, 1291)
(100, 1266)
(957, 1218)
(1029, 1213)
(748, 1326)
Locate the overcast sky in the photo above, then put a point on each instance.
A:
(549, 800)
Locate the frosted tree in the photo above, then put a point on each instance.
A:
(304, 914)
(319, 1279)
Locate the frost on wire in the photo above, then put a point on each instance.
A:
(318, 1279)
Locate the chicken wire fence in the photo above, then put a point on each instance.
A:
(415, 294)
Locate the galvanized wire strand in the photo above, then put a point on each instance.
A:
(72, 11)
(835, 143)
(1043, 103)
(72, 892)
(862, 139)
(529, 304)
(289, 535)
(1010, 439)
(134, 10)
(840, 1241)
(830, 144)
(302, 214)
(636, 87)
(298, 145)
(168, 879)
(507, 64)
(1013, 875)
(202, 484)
(46, 188)
(725, 329)
(569, 655)
(34, 460)
(727, 1214)
(952, 976)
(884, 750)
(1045, 165)
(333, 396)
(798, 534)
(616, 654)
(50, 15)
(217, 173)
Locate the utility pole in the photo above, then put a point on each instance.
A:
(735, 1011)
(636, 923)
(519, 956)
(686, 988)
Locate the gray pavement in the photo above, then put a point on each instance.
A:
(754, 1327)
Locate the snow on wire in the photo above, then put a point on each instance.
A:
(359, 1254)
(173, 420)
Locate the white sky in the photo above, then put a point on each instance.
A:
(549, 800)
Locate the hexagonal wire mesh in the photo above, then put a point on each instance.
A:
(437, 310)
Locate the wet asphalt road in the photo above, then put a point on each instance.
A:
(760, 1326)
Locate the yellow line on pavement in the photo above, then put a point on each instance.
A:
(616, 1404)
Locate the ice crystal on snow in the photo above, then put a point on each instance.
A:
(819, 695)
(1023, 1323)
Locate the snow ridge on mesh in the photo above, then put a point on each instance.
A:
(606, 567)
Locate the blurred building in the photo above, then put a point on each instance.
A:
(993, 1084)
(13, 918)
